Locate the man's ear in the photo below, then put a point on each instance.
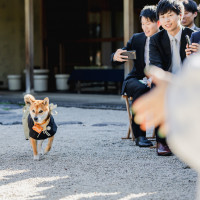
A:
(158, 24)
(46, 101)
(29, 99)
(181, 16)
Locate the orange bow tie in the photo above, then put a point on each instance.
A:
(37, 128)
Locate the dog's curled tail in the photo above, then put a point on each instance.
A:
(28, 99)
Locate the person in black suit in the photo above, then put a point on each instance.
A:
(195, 47)
(132, 85)
(167, 48)
(190, 14)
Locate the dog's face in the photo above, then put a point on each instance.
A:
(39, 109)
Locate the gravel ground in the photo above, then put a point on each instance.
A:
(89, 160)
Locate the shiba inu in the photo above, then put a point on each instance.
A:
(41, 124)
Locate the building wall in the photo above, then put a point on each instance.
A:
(12, 41)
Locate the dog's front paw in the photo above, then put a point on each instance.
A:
(36, 157)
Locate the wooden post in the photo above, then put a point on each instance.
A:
(128, 29)
(197, 20)
(29, 44)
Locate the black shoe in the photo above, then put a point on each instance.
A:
(142, 141)
(163, 149)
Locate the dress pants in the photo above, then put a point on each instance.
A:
(135, 89)
(160, 139)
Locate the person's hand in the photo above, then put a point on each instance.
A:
(188, 51)
(149, 109)
(149, 82)
(118, 57)
(192, 49)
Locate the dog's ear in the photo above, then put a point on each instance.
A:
(46, 101)
(29, 99)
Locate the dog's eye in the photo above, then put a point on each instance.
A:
(33, 111)
(40, 111)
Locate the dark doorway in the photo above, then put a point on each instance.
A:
(74, 31)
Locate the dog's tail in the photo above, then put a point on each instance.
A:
(28, 99)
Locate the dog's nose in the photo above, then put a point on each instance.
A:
(35, 118)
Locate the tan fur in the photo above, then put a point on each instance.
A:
(39, 109)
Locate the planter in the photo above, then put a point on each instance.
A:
(40, 83)
(14, 82)
(40, 79)
(61, 81)
(40, 71)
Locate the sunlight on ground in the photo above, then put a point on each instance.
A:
(95, 194)
(132, 196)
(88, 195)
(14, 188)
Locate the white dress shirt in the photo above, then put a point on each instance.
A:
(146, 59)
(146, 51)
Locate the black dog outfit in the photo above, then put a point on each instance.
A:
(44, 134)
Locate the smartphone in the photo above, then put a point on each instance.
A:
(188, 40)
(131, 54)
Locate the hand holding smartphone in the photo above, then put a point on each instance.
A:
(188, 40)
(131, 54)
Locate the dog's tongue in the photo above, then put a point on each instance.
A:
(37, 128)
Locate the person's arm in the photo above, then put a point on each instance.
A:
(154, 54)
(117, 58)
(194, 47)
(192, 38)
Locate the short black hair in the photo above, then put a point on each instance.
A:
(149, 12)
(165, 6)
(190, 6)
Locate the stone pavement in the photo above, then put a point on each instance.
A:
(88, 160)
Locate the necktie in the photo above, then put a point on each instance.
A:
(176, 60)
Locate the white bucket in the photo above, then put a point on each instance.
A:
(40, 83)
(61, 81)
(14, 82)
(40, 71)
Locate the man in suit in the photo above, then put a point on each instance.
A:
(195, 47)
(131, 85)
(167, 48)
(190, 14)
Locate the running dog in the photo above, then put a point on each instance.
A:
(41, 124)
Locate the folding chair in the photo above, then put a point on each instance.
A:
(130, 130)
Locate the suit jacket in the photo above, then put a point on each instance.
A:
(160, 48)
(137, 42)
(195, 37)
(196, 28)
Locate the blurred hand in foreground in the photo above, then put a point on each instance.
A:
(149, 109)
